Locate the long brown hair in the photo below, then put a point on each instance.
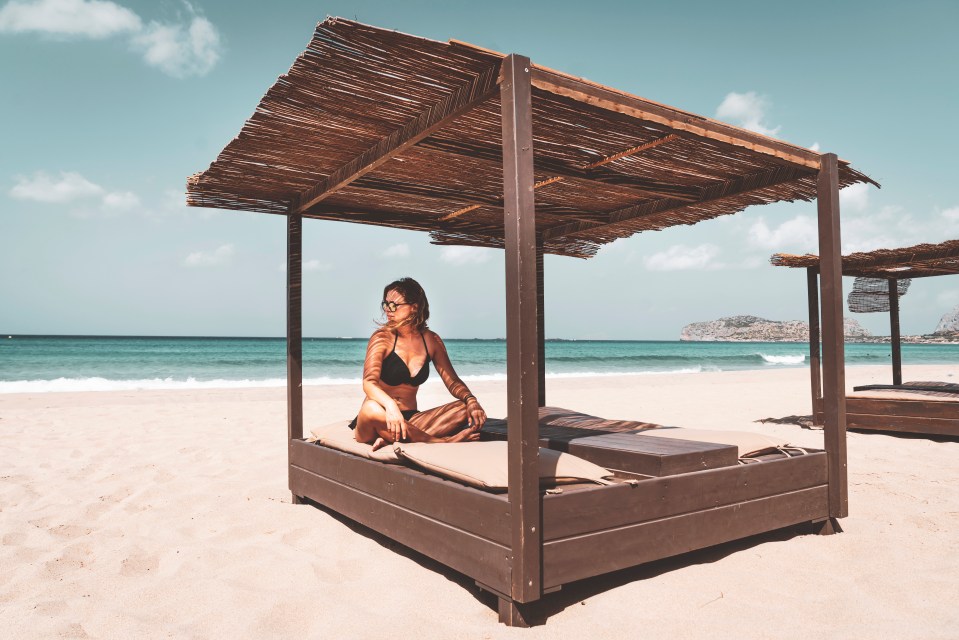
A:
(413, 293)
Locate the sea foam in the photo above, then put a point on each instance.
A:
(103, 384)
(784, 359)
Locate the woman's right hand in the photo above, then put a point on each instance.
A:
(395, 423)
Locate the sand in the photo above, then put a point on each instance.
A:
(166, 514)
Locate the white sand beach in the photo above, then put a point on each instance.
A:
(146, 514)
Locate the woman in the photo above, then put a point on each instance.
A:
(402, 346)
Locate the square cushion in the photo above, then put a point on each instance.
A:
(748, 443)
(485, 464)
(559, 417)
(339, 436)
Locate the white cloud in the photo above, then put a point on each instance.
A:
(87, 199)
(179, 50)
(862, 228)
(748, 110)
(401, 250)
(121, 201)
(189, 47)
(459, 256)
(310, 265)
(891, 227)
(42, 187)
(796, 235)
(316, 265)
(681, 256)
(221, 255)
(855, 197)
(78, 18)
(814, 147)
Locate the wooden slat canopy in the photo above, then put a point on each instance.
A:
(919, 261)
(378, 127)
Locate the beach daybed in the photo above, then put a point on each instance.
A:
(913, 407)
(376, 127)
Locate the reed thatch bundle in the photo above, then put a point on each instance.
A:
(919, 261)
(378, 127)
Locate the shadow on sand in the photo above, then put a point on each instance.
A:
(577, 593)
(806, 422)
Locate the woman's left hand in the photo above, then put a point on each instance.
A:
(476, 417)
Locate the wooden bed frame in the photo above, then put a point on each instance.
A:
(938, 417)
(586, 530)
(523, 544)
(895, 415)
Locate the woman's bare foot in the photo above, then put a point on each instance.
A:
(379, 443)
(466, 435)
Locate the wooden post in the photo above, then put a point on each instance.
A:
(815, 367)
(541, 320)
(833, 345)
(294, 332)
(894, 338)
(522, 377)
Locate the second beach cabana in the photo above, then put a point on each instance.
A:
(882, 278)
(478, 148)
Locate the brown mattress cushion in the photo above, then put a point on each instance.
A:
(560, 417)
(339, 436)
(485, 464)
(891, 394)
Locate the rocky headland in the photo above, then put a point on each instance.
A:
(756, 329)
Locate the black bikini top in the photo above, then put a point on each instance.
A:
(394, 371)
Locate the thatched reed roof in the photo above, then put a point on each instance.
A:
(920, 261)
(378, 127)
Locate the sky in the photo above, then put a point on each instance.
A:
(106, 107)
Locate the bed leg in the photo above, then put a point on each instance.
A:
(826, 527)
(515, 614)
(298, 499)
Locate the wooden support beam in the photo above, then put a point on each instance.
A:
(430, 121)
(455, 150)
(815, 366)
(894, 338)
(632, 151)
(833, 360)
(459, 212)
(738, 186)
(612, 100)
(514, 614)
(521, 324)
(294, 333)
(454, 197)
(541, 319)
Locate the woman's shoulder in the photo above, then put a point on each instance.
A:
(433, 339)
(381, 335)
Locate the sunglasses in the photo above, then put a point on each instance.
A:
(389, 305)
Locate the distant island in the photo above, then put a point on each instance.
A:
(755, 329)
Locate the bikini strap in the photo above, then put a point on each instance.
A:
(395, 338)
(423, 335)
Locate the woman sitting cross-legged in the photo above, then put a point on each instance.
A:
(401, 346)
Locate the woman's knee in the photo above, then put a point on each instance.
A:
(457, 409)
(370, 416)
(371, 410)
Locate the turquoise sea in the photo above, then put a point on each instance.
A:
(82, 363)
